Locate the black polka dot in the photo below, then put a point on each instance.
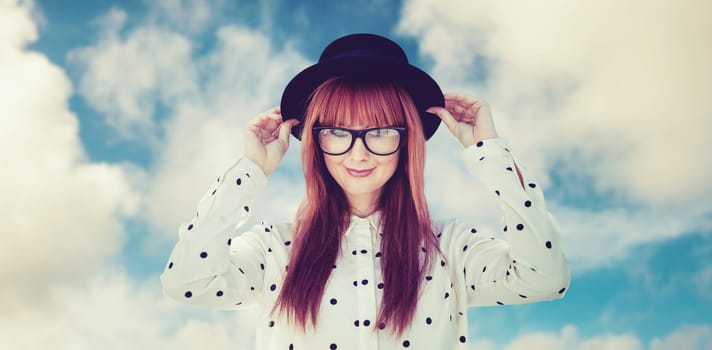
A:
(252, 288)
(267, 229)
(480, 143)
(473, 231)
(532, 185)
(355, 283)
(548, 244)
(496, 192)
(562, 290)
(215, 190)
(509, 168)
(188, 294)
(229, 241)
(380, 285)
(364, 282)
(170, 265)
(353, 252)
(472, 286)
(447, 295)
(484, 268)
(381, 325)
(247, 174)
(271, 324)
(356, 323)
(273, 287)
(378, 254)
(333, 301)
(500, 303)
(219, 293)
(247, 209)
(462, 339)
(428, 320)
(366, 323)
(442, 262)
(528, 204)
(262, 266)
(520, 227)
(522, 296)
(269, 250)
(482, 158)
(464, 248)
(332, 346)
(406, 343)
(204, 255)
(190, 227)
(288, 243)
(239, 181)
(422, 249)
(291, 346)
(428, 278)
(364, 251)
(439, 235)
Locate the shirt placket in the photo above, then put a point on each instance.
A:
(366, 288)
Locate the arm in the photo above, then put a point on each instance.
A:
(204, 267)
(529, 265)
(207, 267)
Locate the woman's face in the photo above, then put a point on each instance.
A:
(360, 173)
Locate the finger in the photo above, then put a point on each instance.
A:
(284, 131)
(445, 116)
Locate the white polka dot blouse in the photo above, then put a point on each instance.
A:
(217, 263)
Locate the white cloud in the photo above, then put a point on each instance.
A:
(112, 311)
(127, 80)
(243, 77)
(685, 338)
(690, 337)
(610, 97)
(186, 15)
(61, 211)
(617, 92)
(698, 337)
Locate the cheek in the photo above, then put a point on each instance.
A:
(390, 165)
(331, 164)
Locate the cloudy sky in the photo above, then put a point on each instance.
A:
(115, 117)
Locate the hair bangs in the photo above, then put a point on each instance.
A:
(347, 102)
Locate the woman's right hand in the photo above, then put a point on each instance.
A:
(267, 139)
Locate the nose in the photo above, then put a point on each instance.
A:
(359, 151)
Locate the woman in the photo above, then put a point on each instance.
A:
(363, 266)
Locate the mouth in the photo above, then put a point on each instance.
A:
(359, 173)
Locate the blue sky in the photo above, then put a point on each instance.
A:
(118, 115)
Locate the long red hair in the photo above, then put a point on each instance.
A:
(325, 212)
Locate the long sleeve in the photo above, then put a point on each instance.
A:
(529, 265)
(205, 267)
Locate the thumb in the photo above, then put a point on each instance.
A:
(444, 115)
(284, 130)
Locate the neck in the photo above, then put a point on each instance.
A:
(363, 205)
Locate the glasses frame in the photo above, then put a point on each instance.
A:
(359, 134)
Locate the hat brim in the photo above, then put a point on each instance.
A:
(424, 91)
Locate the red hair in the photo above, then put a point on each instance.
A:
(325, 212)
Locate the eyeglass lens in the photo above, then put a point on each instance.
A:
(378, 141)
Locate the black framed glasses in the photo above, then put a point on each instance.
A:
(379, 141)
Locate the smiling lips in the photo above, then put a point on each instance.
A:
(359, 173)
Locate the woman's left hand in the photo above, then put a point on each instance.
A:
(468, 119)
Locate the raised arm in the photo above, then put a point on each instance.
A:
(210, 265)
(529, 265)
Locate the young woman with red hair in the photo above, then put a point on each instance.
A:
(363, 266)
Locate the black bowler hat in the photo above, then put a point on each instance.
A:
(363, 56)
